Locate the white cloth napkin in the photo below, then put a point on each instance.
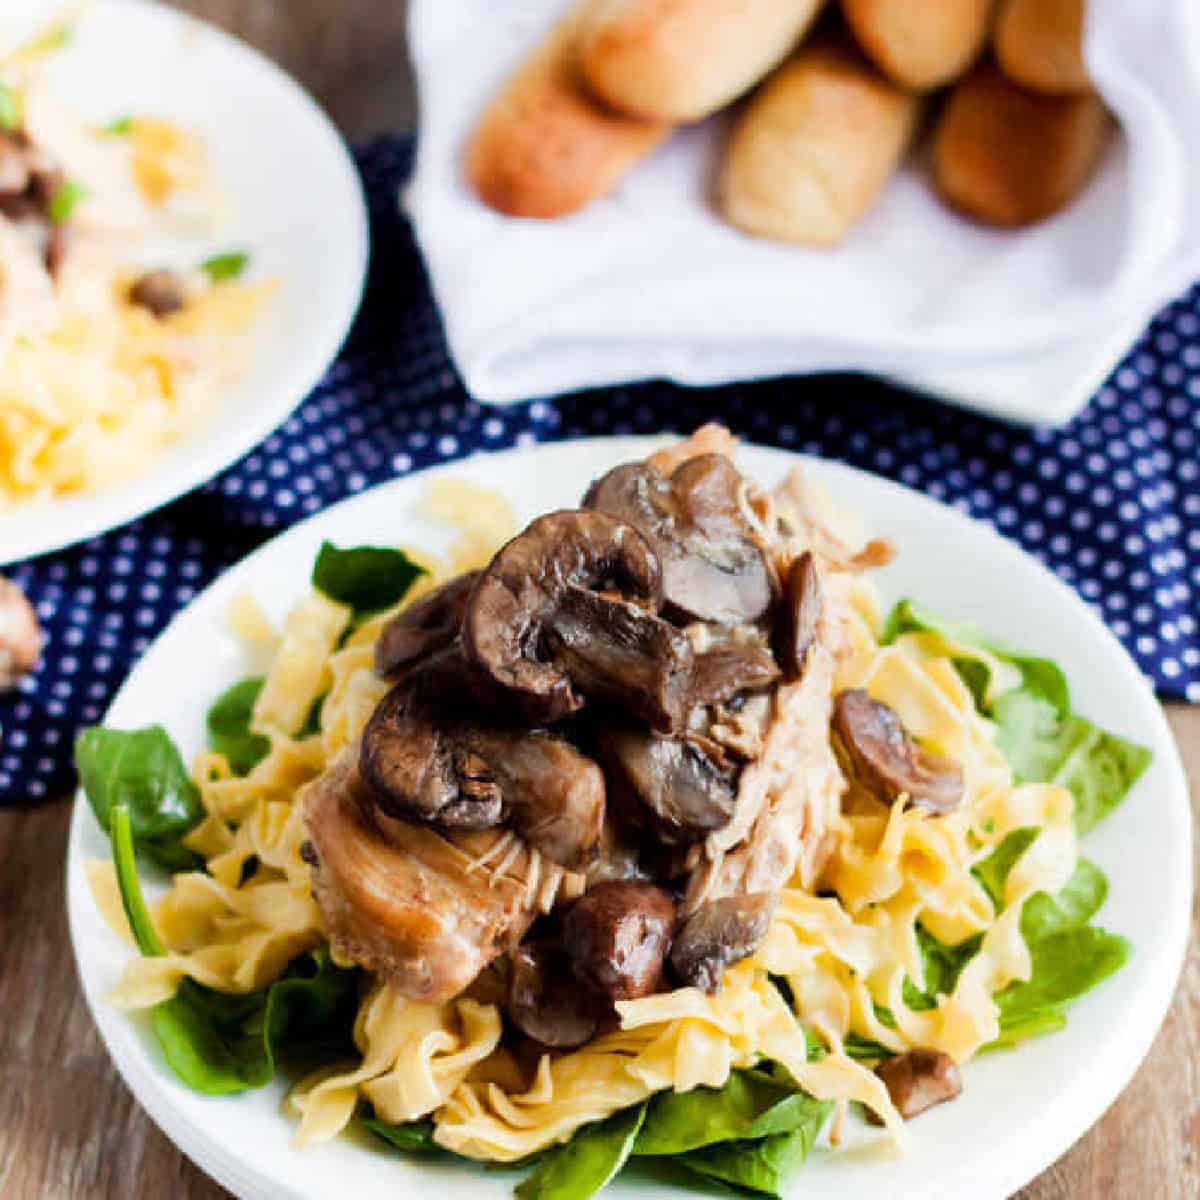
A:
(650, 282)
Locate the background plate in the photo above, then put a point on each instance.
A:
(297, 206)
(1018, 1112)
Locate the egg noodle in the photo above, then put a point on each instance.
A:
(94, 386)
(845, 945)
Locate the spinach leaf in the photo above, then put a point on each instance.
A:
(229, 726)
(225, 266)
(1018, 1029)
(1098, 768)
(1078, 901)
(1042, 676)
(751, 1105)
(416, 1137)
(994, 870)
(1043, 740)
(764, 1165)
(1065, 966)
(865, 1049)
(63, 203)
(218, 1043)
(943, 965)
(10, 107)
(221, 1044)
(142, 770)
(587, 1162)
(368, 578)
(1069, 956)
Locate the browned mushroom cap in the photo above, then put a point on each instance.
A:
(424, 627)
(713, 568)
(545, 1002)
(617, 936)
(729, 668)
(618, 653)
(919, 1079)
(670, 783)
(879, 756)
(800, 614)
(565, 611)
(159, 292)
(429, 756)
(717, 935)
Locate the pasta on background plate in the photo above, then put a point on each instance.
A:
(898, 851)
(105, 359)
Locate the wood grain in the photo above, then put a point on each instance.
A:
(68, 1126)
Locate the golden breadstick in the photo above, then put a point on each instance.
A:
(815, 146)
(1008, 156)
(545, 146)
(921, 44)
(1040, 43)
(679, 60)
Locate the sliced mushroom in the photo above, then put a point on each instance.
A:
(161, 293)
(424, 627)
(800, 614)
(879, 756)
(20, 634)
(545, 1001)
(618, 856)
(919, 1079)
(730, 668)
(671, 783)
(617, 936)
(564, 611)
(717, 935)
(429, 756)
(713, 567)
(618, 653)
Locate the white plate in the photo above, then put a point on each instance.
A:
(297, 207)
(1018, 1112)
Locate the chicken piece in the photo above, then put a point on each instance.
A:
(708, 439)
(425, 910)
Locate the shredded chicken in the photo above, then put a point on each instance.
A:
(424, 910)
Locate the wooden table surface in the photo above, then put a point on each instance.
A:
(68, 1126)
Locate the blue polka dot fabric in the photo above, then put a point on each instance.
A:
(1111, 502)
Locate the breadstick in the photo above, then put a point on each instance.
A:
(815, 147)
(921, 44)
(545, 146)
(1039, 43)
(679, 60)
(1008, 156)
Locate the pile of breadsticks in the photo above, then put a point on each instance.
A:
(1017, 129)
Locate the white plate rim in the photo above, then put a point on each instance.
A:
(1095, 1086)
(178, 469)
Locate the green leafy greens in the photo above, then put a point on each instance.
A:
(751, 1105)
(416, 1137)
(1036, 730)
(367, 578)
(217, 1043)
(582, 1166)
(142, 770)
(1044, 741)
(225, 266)
(64, 201)
(120, 127)
(229, 726)
(10, 107)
